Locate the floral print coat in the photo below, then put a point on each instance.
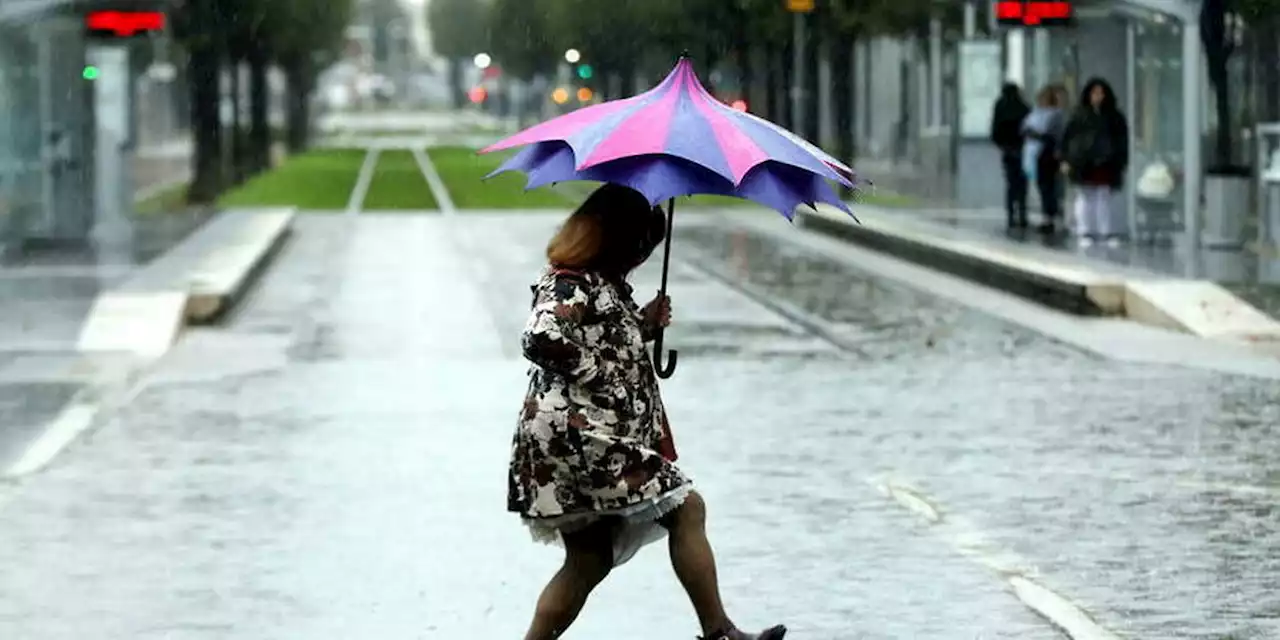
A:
(593, 437)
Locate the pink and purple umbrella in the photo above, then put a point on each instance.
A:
(678, 140)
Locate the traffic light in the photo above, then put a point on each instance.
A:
(585, 71)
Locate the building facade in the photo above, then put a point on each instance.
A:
(46, 124)
(48, 128)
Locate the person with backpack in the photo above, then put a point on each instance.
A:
(1042, 132)
(1095, 156)
(1006, 133)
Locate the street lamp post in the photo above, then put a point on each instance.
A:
(798, 9)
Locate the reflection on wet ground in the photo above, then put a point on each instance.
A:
(882, 320)
(357, 491)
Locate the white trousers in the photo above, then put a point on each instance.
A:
(1094, 215)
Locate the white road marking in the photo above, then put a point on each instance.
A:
(438, 188)
(365, 178)
(75, 419)
(69, 424)
(971, 542)
(143, 323)
(1065, 615)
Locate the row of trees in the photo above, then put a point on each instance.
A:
(626, 39)
(301, 37)
(623, 38)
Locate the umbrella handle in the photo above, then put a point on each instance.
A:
(665, 371)
(668, 370)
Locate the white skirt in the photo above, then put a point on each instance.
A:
(638, 523)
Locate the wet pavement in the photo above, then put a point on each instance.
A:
(331, 464)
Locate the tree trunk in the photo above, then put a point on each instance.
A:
(757, 92)
(1265, 53)
(812, 55)
(742, 57)
(783, 102)
(298, 107)
(239, 154)
(1218, 49)
(1224, 152)
(742, 60)
(259, 112)
(626, 79)
(203, 84)
(842, 98)
(707, 71)
(455, 83)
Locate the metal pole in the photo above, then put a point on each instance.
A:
(1193, 169)
(1130, 105)
(112, 231)
(970, 20)
(935, 73)
(48, 129)
(798, 78)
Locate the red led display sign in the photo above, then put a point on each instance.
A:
(124, 24)
(1033, 13)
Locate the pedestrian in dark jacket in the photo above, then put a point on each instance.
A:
(1006, 133)
(1095, 149)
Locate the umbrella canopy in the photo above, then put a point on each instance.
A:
(675, 140)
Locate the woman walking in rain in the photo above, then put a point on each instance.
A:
(592, 463)
(1096, 155)
(1042, 132)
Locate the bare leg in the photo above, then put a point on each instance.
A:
(695, 564)
(587, 561)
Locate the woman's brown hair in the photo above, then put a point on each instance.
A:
(1049, 96)
(613, 231)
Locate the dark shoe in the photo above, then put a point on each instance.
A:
(1047, 228)
(772, 633)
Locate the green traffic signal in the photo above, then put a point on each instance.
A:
(90, 73)
(584, 71)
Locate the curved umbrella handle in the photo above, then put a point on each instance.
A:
(669, 370)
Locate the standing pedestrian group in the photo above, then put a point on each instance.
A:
(1044, 144)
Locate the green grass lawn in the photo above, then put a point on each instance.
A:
(880, 198)
(317, 180)
(724, 202)
(398, 184)
(462, 171)
(887, 199)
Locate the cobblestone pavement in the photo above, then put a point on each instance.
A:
(331, 465)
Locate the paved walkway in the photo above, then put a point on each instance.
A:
(331, 464)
